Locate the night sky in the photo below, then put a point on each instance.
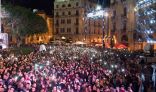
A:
(45, 5)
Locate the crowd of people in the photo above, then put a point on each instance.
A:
(71, 69)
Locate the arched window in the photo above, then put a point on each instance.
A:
(77, 12)
(69, 13)
(68, 21)
(63, 13)
(77, 4)
(57, 31)
(57, 22)
(57, 14)
(69, 5)
(57, 6)
(77, 30)
(63, 5)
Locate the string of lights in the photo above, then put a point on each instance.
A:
(146, 19)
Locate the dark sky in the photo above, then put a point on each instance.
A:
(46, 5)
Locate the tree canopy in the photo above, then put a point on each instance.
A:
(25, 21)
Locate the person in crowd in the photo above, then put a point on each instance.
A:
(70, 69)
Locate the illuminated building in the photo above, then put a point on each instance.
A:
(69, 20)
(123, 21)
(146, 20)
(3, 34)
(98, 26)
(133, 22)
(44, 37)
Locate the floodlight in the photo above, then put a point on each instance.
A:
(106, 14)
(98, 7)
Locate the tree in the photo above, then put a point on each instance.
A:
(24, 22)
